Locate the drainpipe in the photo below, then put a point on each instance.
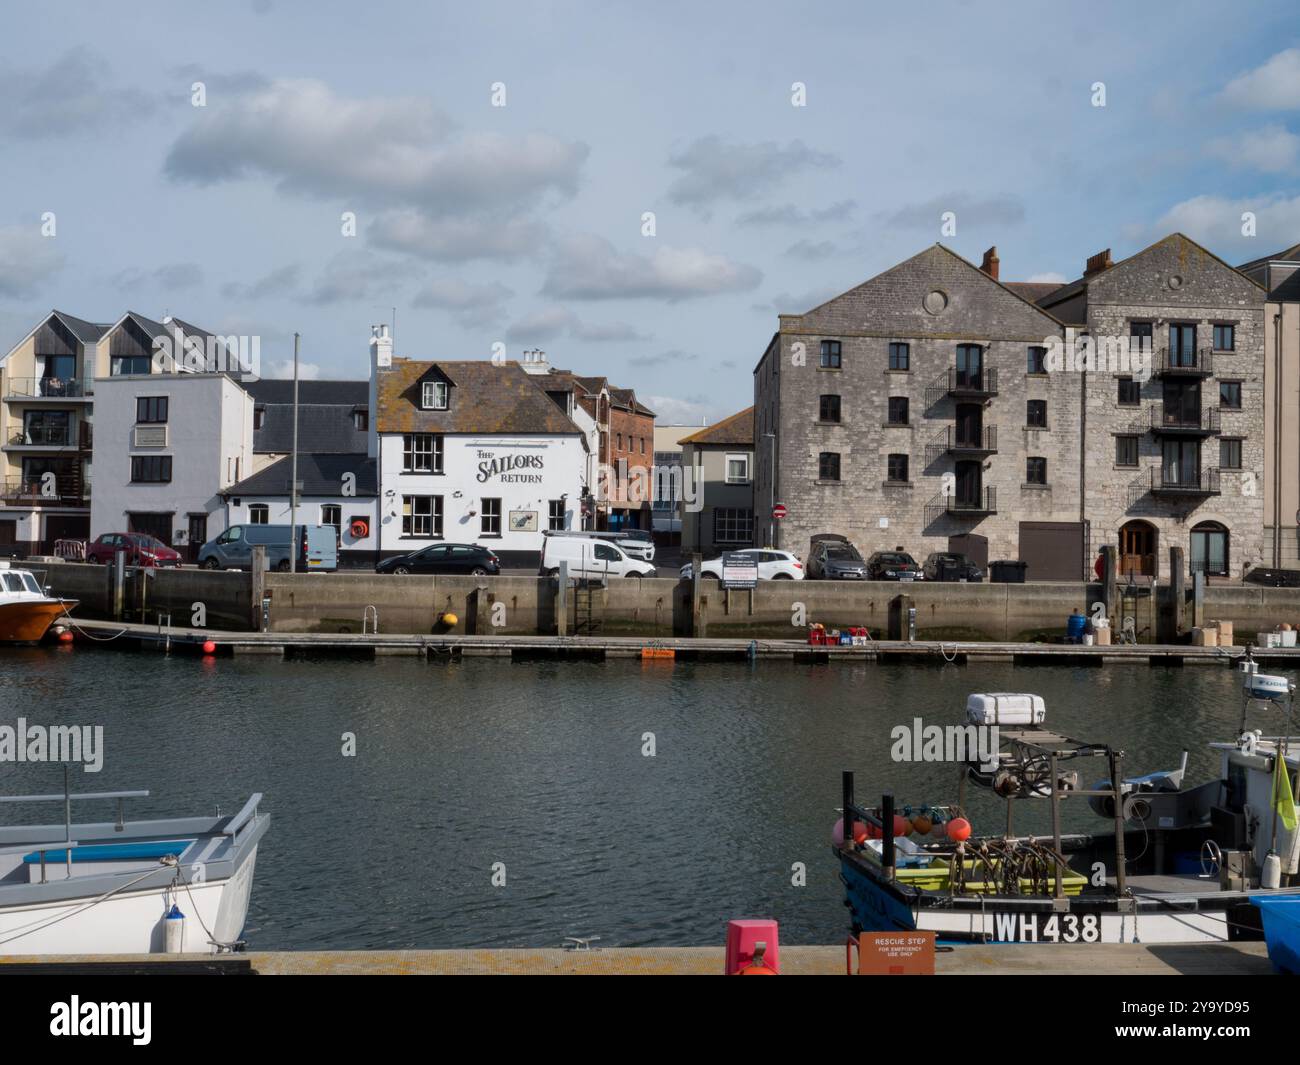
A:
(1277, 440)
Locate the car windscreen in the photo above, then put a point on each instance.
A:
(842, 554)
(897, 560)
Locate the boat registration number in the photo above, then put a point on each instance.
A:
(1047, 928)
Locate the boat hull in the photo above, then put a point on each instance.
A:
(26, 621)
(131, 922)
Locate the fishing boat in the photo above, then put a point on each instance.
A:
(174, 885)
(1174, 864)
(26, 609)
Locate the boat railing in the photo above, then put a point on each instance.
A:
(245, 816)
(67, 797)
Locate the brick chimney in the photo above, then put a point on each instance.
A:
(990, 263)
(1097, 263)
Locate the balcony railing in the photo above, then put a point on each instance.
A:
(981, 502)
(1184, 423)
(952, 440)
(48, 388)
(32, 493)
(1173, 482)
(44, 436)
(1195, 363)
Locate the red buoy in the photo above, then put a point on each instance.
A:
(209, 647)
(65, 636)
(902, 826)
(958, 829)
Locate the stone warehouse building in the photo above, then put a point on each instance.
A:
(908, 412)
(1176, 460)
(935, 407)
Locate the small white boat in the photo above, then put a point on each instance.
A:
(26, 610)
(176, 885)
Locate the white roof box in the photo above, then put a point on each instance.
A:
(1005, 708)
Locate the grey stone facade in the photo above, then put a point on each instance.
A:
(937, 301)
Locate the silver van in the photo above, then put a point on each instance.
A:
(233, 549)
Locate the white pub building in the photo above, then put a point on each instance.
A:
(470, 452)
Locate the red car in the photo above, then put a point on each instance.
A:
(141, 550)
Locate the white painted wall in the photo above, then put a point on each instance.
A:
(210, 440)
(309, 513)
(558, 469)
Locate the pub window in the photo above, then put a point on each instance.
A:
(422, 517)
(331, 514)
(433, 395)
(1037, 360)
(1230, 395)
(1036, 413)
(897, 468)
(1225, 337)
(1126, 451)
(829, 410)
(900, 356)
(490, 522)
(898, 410)
(1130, 392)
(1035, 470)
(1230, 453)
(830, 354)
(151, 410)
(828, 466)
(258, 513)
(555, 520)
(422, 453)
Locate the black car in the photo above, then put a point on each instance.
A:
(836, 560)
(893, 566)
(444, 558)
(951, 566)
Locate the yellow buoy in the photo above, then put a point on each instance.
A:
(448, 619)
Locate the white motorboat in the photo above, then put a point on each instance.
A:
(26, 609)
(174, 885)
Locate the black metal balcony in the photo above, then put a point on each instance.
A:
(974, 504)
(64, 491)
(973, 384)
(44, 436)
(1173, 482)
(1172, 422)
(1196, 363)
(953, 441)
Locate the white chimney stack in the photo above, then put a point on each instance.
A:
(381, 358)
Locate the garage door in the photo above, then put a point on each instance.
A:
(1052, 550)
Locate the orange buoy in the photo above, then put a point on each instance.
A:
(859, 833)
(902, 826)
(958, 829)
(209, 647)
(921, 825)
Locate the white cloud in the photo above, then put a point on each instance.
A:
(1051, 277)
(790, 214)
(552, 322)
(360, 275)
(473, 306)
(714, 169)
(72, 96)
(26, 260)
(697, 410)
(1001, 209)
(1275, 86)
(1272, 149)
(462, 239)
(1215, 222)
(168, 276)
(590, 268)
(281, 369)
(799, 303)
(400, 150)
(280, 281)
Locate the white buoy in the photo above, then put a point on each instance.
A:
(175, 926)
(1271, 877)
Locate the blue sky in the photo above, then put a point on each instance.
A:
(522, 224)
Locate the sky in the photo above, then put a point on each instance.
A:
(636, 190)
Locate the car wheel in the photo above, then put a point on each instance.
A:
(401, 571)
(782, 577)
(478, 571)
(283, 567)
(209, 563)
(711, 576)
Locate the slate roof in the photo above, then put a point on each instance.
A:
(733, 431)
(321, 475)
(1033, 291)
(1287, 255)
(278, 390)
(86, 332)
(485, 398)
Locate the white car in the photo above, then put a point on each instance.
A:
(772, 566)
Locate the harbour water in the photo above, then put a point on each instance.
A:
(545, 768)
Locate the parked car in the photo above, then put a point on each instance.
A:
(772, 566)
(444, 558)
(589, 558)
(951, 566)
(635, 543)
(141, 550)
(893, 566)
(318, 548)
(1273, 578)
(836, 560)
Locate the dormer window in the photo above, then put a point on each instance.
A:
(434, 395)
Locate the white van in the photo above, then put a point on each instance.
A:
(635, 543)
(589, 559)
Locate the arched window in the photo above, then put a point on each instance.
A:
(1209, 549)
